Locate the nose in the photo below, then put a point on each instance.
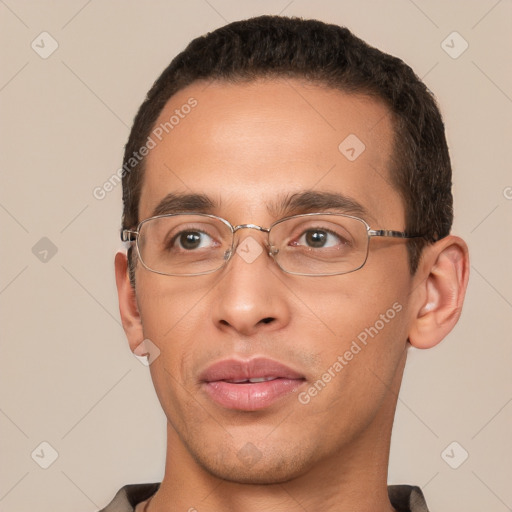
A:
(250, 297)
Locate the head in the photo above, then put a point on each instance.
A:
(332, 57)
(269, 101)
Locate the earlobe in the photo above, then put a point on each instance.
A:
(443, 274)
(128, 309)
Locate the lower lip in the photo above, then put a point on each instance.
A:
(250, 396)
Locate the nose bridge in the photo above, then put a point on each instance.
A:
(261, 229)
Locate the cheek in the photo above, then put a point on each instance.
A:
(173, 313)
(166, 303)
(357, 365)
(344, 306)
(360, 330)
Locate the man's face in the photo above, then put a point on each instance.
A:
(249, 148)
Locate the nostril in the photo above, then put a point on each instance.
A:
(267, 320)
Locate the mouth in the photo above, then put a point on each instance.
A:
(249, 385)
(252, 381)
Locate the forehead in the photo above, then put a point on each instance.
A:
(249, 145)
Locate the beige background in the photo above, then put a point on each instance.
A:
(67, 375)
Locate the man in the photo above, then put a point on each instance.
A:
(287, 206)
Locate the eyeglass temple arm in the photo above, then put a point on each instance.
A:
(391, 233)
(128, 236)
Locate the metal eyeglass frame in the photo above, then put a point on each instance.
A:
(128, 235)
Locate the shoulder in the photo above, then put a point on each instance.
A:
(404, 498)
(129, 496)
(407, 498)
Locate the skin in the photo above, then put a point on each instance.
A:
(246, 146)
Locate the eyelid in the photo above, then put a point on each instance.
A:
(315, 224)
(203, 227)
(172, 235)
(340, 240)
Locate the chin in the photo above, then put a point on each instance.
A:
(260, 475)
(249, 466)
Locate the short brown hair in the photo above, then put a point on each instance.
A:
(330, 55)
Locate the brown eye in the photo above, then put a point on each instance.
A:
(190, 240)
(319, 238)
(315, 238)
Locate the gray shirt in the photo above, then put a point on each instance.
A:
(404, 498)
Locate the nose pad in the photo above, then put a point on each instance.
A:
(227, 254)
(273, 251)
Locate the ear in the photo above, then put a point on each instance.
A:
(440, 287)
(130, 316)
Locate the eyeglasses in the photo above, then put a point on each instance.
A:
(312, 244)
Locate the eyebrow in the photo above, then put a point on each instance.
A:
(311, 201)
(177, 203)
(308, 201)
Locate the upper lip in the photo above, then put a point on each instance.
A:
(235, 369)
